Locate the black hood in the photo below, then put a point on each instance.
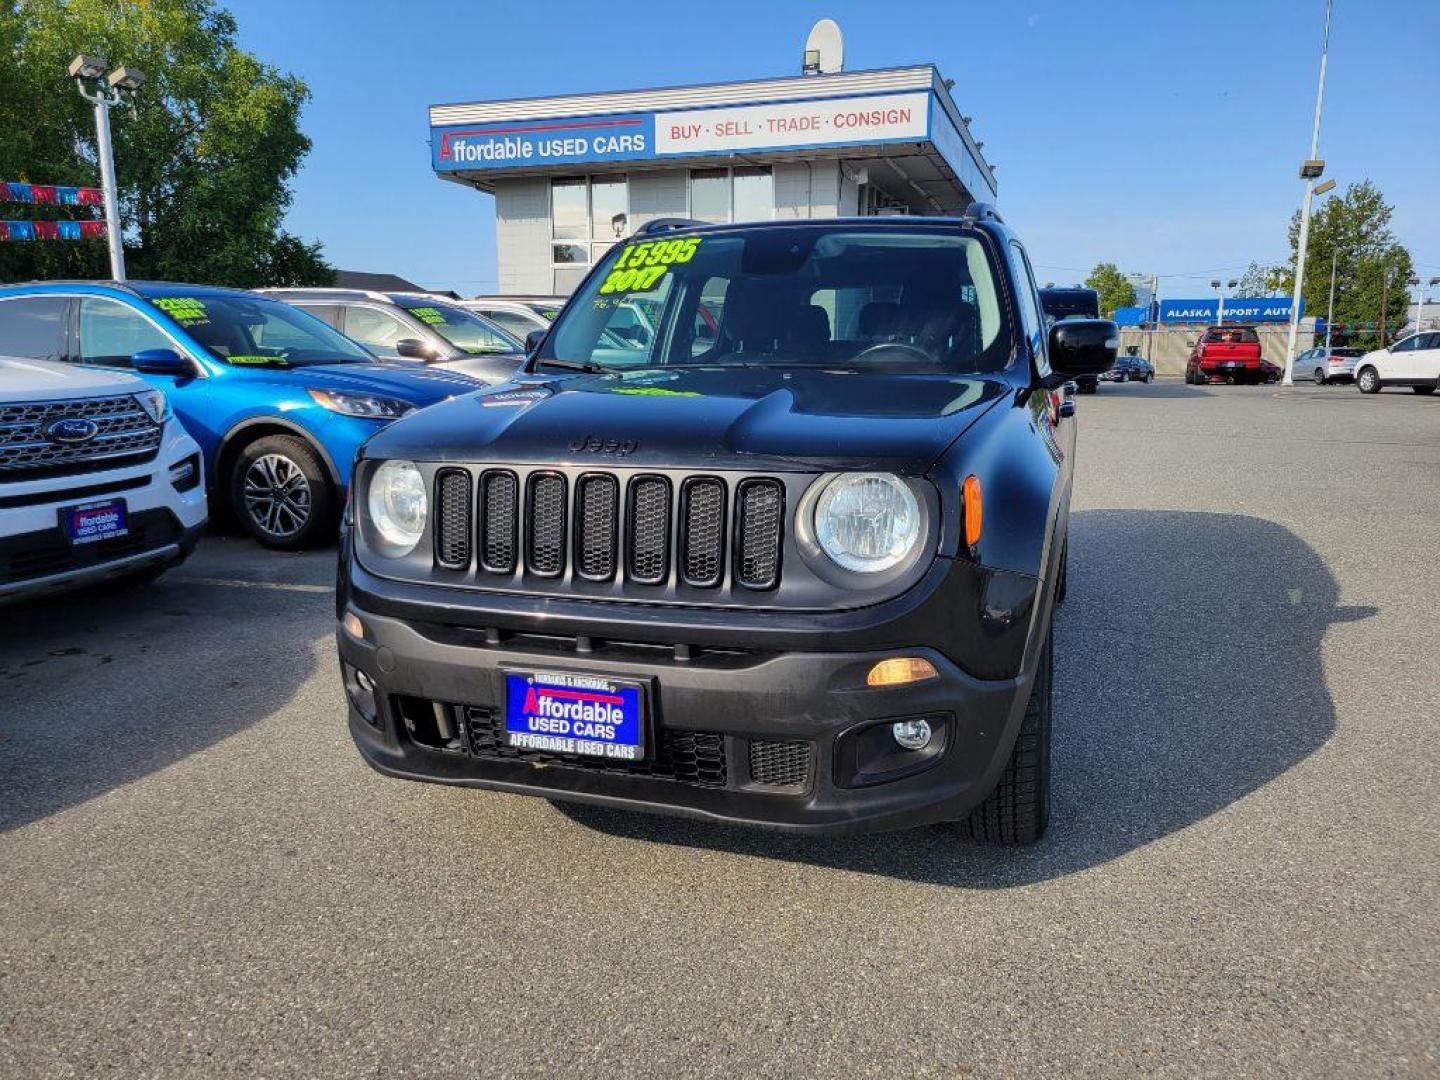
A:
(753, 418)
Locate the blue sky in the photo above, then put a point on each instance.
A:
(1163, 135)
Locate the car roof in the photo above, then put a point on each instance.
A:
(134, 288)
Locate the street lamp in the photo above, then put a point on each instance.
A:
(1220, 288)
(1420, 307)
(1310, 171)
(118, 88)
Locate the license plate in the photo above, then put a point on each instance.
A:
(566, 713)
(87, 523)
(1230, 363)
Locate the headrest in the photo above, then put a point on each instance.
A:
(878, 318)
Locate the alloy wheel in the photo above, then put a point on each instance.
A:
(277, 495)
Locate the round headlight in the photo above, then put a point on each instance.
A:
(867, 522)
(397, 504)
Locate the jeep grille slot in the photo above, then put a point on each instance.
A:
(759, 518)
(545, 533)
(702, 531)
(452, 519)
(648, 527)
(597, 503)
(499, 494)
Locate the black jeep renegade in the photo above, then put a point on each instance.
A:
(769, 530)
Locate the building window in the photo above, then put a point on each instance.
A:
(744, 193)
(585, 214)
(754, 194)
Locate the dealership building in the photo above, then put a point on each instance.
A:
(571, 175)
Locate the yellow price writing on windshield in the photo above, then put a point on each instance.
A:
(641, 266)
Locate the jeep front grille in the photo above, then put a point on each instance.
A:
(649, 530)
(125, 435)
(499, 498)
(452, 519)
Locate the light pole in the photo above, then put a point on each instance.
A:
(1220, 288)
(1310, 171)
(1420, 307)
(118, 88)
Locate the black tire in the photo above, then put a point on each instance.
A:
(282, 495)
(1320, 379)
(1018, 810)
(1367, 380)
(1423, 389)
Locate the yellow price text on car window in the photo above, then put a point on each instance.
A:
(641, 266)
(185, 310)
(428, 315)
(277, 360)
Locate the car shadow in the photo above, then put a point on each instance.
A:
(1160, 388)
(102, 687)
(1180, 688)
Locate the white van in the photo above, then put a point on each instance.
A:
(98, 480)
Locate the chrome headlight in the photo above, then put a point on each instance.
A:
(156, 405)
(398, 505)
(867, 522)
(367, 405)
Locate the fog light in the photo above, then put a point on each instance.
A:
(360, 688)
(911, 734)
(353, 626)
(900, 670)
(185, 475)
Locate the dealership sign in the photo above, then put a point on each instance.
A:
(521, 143)
(1240, 309)
(726, 129)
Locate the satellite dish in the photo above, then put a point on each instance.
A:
(824, 49)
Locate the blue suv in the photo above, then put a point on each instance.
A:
(278, 401)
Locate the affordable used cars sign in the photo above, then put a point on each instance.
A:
(574, 140)
(532, 143)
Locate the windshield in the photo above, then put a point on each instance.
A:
(255, 331)
(1239, 335)
(835, 298)
(1070, 303)
(466, 330)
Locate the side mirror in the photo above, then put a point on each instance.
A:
(533, 340)
(414, 349)
(162, 362)
(1083, 347)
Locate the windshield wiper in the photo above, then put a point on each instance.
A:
(573, 365)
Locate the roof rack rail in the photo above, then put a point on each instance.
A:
(983, 211)
(665, 224)
(327, 292)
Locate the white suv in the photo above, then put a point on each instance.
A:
(98, 480)
(1413, 361)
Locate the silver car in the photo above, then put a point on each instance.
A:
(1326, 366)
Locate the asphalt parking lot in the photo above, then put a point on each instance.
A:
(198, 876)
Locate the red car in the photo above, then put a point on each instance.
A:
(1229, 354)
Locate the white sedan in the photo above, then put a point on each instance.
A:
(1413, 361)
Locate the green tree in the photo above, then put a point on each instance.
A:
(1114, 289)
(1371, 266)
(203, 159)
(1263, 281)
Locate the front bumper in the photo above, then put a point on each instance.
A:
(166, 522)
(723, 712)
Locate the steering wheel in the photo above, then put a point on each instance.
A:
(897, 345)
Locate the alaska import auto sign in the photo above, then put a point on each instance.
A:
(535, 144)
(1240, 309)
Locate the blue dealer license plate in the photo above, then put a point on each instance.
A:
(567, 713)
(95, 521)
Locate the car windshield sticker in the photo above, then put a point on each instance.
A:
(279, 361)
(430, 315)
(641, 266)
(185, 310)
(655, 391)
(478, 350)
